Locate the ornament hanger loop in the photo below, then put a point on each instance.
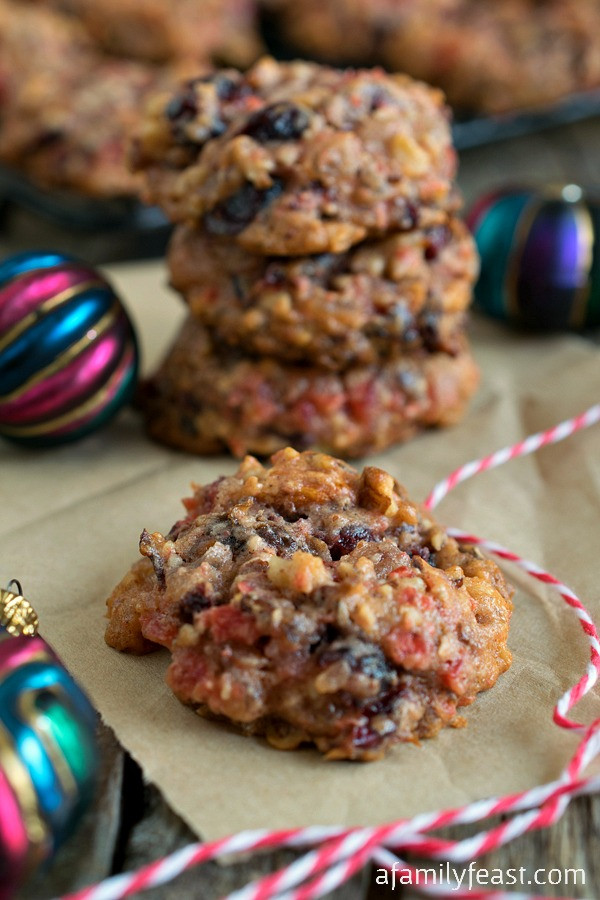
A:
(17, 584)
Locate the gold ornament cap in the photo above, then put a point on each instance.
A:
(17, 615)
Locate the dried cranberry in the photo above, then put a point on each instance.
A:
(361, 657)
(348, 538)
(383, 704)
(275, 275)
(184, 104)
(48, 137)
(322, 645)
(183, 109)
(437, 238)
(277, 122)
(235, 213)
(365, 738)
(414, 545)
(230, 89)
(332, 633)
(379, 98)
(193, 602)
(430, 335)
(406, 214)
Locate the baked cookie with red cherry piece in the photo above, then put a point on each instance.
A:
(295, 158)
(379, 299)
(206, 397)
(311, 603)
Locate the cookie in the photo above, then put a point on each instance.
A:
(76, 137)
(34, 40)
(313, 604)
(67, 110)
(487, 56)
(160, 31)
(296, 159)
(376, 300)
(206, 398)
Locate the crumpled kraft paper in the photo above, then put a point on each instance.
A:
(69, 529)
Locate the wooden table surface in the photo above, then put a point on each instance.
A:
(130, 824)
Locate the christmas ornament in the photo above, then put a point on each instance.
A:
(48, 753)
(540, 261)
(68, 352)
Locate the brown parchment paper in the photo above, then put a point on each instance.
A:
(69, 528)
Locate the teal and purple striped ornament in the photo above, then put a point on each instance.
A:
(68, 351)
(540, 257)
(48, 749)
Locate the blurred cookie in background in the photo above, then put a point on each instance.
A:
(488, 56)
(159, 31)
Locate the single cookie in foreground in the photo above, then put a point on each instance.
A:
(295, 158)
(310, 603)
(206, 397)
(379, 299)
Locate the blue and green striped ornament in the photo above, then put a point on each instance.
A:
(48, 748)
(540, 257)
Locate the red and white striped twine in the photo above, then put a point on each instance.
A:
(337, 853)
(522, 448)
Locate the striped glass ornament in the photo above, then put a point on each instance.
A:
(540, 257)
(68, 351)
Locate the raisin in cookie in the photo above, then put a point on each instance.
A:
(296, 158)
(205, 398)
(310, 603)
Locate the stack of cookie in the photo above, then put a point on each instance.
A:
(320, 254)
